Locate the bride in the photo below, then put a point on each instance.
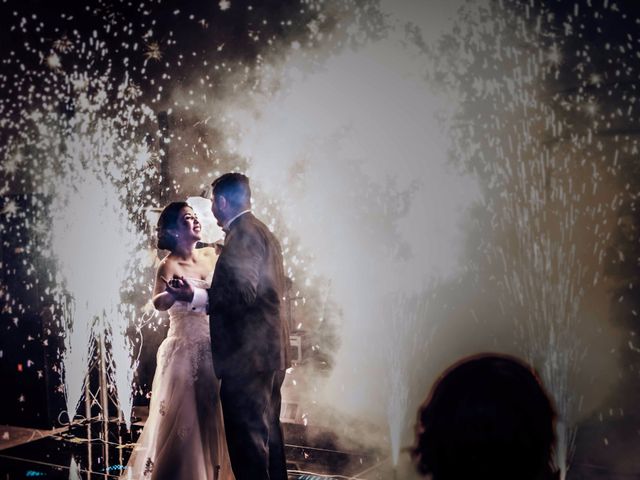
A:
(183, 438)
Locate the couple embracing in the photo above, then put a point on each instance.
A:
(215, 407)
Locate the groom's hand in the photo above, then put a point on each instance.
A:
(179, 288)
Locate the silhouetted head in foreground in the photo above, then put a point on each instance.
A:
(486, 418)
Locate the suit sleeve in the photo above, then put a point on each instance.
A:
(239, 264)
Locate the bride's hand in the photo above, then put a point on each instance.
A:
(179, 288)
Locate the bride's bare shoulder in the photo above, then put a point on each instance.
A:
(167, 266)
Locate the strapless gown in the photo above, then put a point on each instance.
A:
(183, 438)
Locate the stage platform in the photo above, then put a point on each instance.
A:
(312, 454)
(80, 449)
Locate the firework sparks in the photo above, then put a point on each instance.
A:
(63, 44)
(412, 333)
(152, 51)
(11, 208)
(53, 62)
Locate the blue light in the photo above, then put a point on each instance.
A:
(313, 477)
(34, 473)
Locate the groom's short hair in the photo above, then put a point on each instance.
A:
(234, 187)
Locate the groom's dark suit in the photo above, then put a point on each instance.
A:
(250, 344)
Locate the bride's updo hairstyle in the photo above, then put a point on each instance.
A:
(169, 221)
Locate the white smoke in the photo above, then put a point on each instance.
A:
(356, 152)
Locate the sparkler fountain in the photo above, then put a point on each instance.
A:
(89, 220)
(77, 142)
(98, 245)
(548, 178)
(411, 333)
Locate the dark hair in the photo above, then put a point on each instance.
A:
(235, 188)
(486, 417)
(169, 221)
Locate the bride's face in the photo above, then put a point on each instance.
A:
(188, 224)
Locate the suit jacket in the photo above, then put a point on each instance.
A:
(248, 330)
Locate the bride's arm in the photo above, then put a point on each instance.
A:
(162, 299)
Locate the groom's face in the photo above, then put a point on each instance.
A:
(217, 208)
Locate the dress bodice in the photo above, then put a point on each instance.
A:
(188, 322)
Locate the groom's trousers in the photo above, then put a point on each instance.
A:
(251, 409)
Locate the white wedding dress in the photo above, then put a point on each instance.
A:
(183, 438)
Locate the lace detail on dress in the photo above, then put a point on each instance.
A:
(183, 432)
(195, 350)
(148, 467)
(202, 354)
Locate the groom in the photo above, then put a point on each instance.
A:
(249, 335)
